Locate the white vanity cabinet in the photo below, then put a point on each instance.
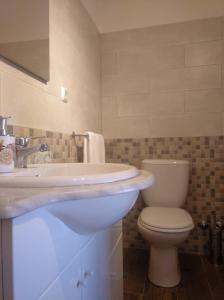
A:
(116, 268)
(95, 266)
(57, 238)
(49, 261)
(67, 286)
(93, 274)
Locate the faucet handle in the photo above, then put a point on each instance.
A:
(3, 125)
(23, 141)
(44, 147)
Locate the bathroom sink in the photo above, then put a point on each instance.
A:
(86, 197)
(70, 174)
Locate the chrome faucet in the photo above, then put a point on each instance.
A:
(23, 151)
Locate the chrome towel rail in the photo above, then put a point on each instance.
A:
(85, 135)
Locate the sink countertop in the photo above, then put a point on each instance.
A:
(17, 201)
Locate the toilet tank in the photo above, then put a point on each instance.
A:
(171, 182)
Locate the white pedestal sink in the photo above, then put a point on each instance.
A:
(56, 237)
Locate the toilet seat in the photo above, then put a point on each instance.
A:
(166, 219)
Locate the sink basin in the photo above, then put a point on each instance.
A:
(86, 197)
(59, 175)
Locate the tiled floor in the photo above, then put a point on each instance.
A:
(200, 279)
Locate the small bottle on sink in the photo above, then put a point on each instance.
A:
(7, 147)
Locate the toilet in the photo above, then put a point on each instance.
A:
(163, 223)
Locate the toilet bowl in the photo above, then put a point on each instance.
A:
(165, 226)
(164, 229)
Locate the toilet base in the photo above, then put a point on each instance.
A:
(164, 268)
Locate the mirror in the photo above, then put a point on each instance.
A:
(24, 36)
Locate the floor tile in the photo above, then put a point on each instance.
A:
(132, 296)
(215, 277)
(200, 279)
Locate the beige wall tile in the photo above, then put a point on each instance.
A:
(176, 33)
(222, 27)
(181, 33)
(114, 40)
(133, 84)
(203, 77)
(109, 63)
(134, 61)
(204, 100)
(86, 113)
(126, 39)
(222, 74)
(202, 30)
(129, 127)
(206, 124)
(222, 123)
(109, 106)
(167, 56)
(187, 32)
(167, 79)
(109, 85)
(146, 59)
(43, 107)
(124, 84)
(206, 53)
(74, 64)
(194, 124)
(179, 67)
(165, 34)
(167, 126)
(133, 105)
(167, 102)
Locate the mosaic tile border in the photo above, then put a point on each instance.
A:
(62, 147)
(205, 198)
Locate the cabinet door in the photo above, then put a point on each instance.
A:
(68, 286)
(42, 248)
(95, 265)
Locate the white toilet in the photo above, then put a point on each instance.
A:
(163, 224)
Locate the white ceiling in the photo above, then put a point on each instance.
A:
(116, 15)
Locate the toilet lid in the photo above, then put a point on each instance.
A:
(166, 219)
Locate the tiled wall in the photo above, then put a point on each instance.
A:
(63, 148)
(163, 97)
(164, 81)
(74, 64)
(161, 87)
(206, 187)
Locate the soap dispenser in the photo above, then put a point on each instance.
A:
(7, 146)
